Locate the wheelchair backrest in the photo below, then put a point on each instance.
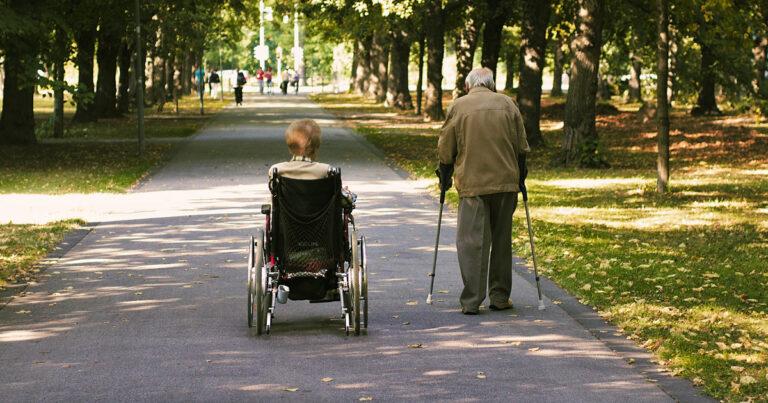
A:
(307, 225)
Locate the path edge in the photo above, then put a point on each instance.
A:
(71, 239)
(678, 388)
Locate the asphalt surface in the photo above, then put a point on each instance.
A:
(151, 305)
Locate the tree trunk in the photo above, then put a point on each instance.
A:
(363, 74)
(580, 139)
(465, 46)
(124, 62)
(61, 55)
(86, 46)
(17, 121)
(533, 46)
(510, 59)
(494, 23)
(353, 73)
(760, 85)
(377, 88)
(635, 70)
(398, 94)
(435, 33)
(706, 104)
(557, 71)
(662, 102)
(106, 87)
(420, 81)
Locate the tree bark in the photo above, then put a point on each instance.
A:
(465, 46)
(760, 84)
(353, 72)
(557, 71)
(706, 104)
(420, 81)
(510, 58)
(435, 33)
(635, 70)
(377, 89)
(580, 138)
(362, 76)
(61, 51)
(533, 46)
(494, 23)
(124, 63)
(106, 87)
(86, 46)
(662, 102)
(398, 94)
(17, 121)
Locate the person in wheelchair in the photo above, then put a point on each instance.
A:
(303, 140)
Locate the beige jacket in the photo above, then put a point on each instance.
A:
(482, 137)
(301, 168)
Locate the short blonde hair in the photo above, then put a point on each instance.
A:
(303, 138)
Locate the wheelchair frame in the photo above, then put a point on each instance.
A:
(265, 272)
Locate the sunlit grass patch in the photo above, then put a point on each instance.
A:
(76, 167)
(21, 246)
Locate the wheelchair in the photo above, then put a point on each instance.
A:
(308, 249)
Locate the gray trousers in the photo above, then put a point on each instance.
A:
(484, 246)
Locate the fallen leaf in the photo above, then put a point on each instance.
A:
(736, 368)
(747, 380)
(480, 375)
(23, 311)
(406, 323)
(412, 302)
(291, 389)
(365, 398)
(631, 360)
(416, 345)
(395, 316)
(327, 379)
(587, 287)
(442, 291)
(138, 293)
(534, 349)
(514, 343)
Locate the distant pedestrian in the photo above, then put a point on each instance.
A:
(284, 83)
(295, 83)
(239, 87)
(200, 79)
(268, 79)
(260, 80)
(214, 81)
(484, 138)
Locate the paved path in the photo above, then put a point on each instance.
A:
(151, 305)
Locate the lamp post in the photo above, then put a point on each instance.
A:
(279, 54)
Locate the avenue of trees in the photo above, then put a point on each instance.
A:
(689, 52)
(100, 36)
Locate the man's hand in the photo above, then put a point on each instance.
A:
(444, 174)
(523, 168)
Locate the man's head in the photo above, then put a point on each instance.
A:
(482, 77)
(303, 138)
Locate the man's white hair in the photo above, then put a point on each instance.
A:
(482, 77)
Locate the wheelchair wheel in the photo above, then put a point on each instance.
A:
(250, 282)
(364, 277)
(259, 281)
(355, 282)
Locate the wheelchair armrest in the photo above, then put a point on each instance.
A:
(266, 209)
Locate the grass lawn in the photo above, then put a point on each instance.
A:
(80, 165)
(21, 246)
(684, 274)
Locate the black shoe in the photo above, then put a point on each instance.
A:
(467, 311)
(500, 306)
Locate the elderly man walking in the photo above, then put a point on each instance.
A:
(484, 139)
